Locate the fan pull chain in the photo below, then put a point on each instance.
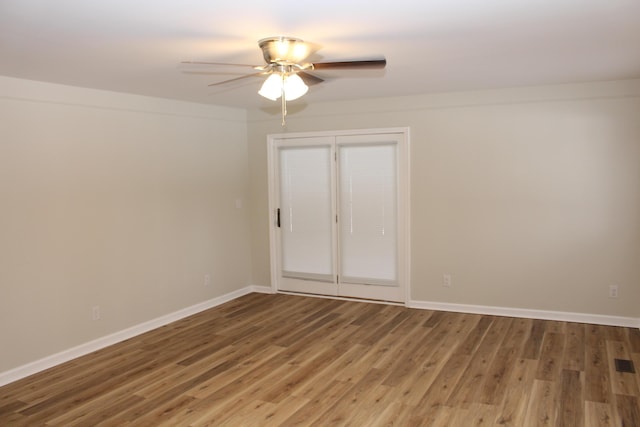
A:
(284, 101)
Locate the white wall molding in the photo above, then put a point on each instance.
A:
(566, 92)
(51, 93)
(99, 343)
(562, 316)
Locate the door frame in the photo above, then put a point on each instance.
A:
(404, 241)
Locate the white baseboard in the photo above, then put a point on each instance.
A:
(91, 346)
(599, 319)
(262, 289)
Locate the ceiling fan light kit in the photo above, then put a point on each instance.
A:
(288, 74)
(290, 86)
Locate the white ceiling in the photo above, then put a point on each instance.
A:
(136, 46)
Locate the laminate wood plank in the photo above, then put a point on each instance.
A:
(271, 415)
(551, 355)
(216, 345)
(288, 385)
(395, 414)
(376, 402)
(495, 385)
(598, 414)
(635, 358)
(513, 411)
(88, 416)
(356, 371)
(251, 363)
(416, 386)
(249, 385)
(343, 363)
(258, 411)
(86, 391)
(358, 394)
(362, 333)
(597, 379)
(249, 307)
(480, 414)
(303, 333)
(542, 409)
(571, 402)
(336, 333)
(476, 335)
(323, 399)
(41, 390)
(279, 325)
(468, 389)
(294, 360)
(574, 347)
(228, 399)
(628, 411)
(113, 402)
(247, 367)
(414, 373)
(388, 325)
(614, 333)
(446, 416)
(458, 325)
(552, 326)
(442, 386)
(411, 353)
(390, 348)
(369, 313)
(10, 407)
(533, 344)
(328, 306)
(633, 335)
(15, 419)
(36, 382)
(166, 397)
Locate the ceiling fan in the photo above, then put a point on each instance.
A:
(289, 75)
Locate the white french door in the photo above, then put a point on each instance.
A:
(338, 209)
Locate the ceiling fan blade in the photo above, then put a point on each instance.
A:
(365, 64)
(238, 78)
(219, 63)
(309, 79)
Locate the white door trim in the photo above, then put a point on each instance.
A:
(404, 247)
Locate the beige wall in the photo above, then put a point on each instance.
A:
(529, 198)
(114, 200)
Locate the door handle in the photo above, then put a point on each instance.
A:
(278, 217)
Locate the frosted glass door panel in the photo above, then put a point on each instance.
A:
(368, 213)
(306, 212)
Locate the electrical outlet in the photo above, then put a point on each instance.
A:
(207, 279)
(95, 312)
(613, 291)
(446, 280)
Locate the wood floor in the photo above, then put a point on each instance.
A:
(292, 360)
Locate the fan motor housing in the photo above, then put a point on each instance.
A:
(283, 50)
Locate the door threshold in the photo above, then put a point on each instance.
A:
(336, 297)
